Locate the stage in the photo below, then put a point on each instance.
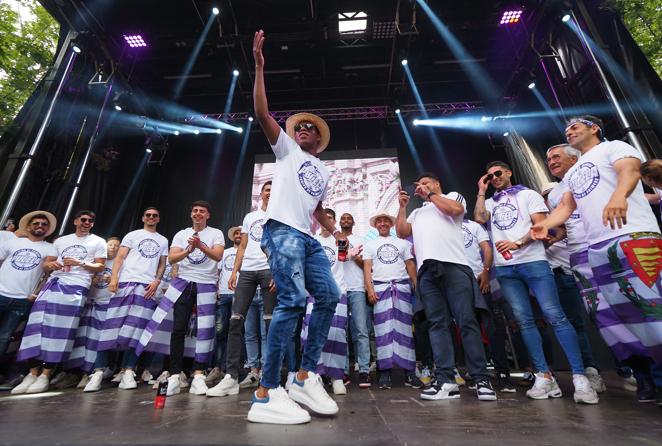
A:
(367, 417)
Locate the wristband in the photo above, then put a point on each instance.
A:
(480, 195)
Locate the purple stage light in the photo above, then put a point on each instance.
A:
(510, 17)
(135, 40)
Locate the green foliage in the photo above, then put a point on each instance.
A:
(27, 49)
(644, 20)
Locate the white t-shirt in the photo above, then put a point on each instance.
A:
(558, 255)
(353, 272)
(593, 179)
(331, 250)
(86, 249)
(5, 236)
(22, 260)
(574, 226)
(197, 267)
(474, 234)
(254, 258)
(299, 184)
(225, 270)
(388, 255)
(437, 236)
(145, 251)
(99, 290)
(511, 220)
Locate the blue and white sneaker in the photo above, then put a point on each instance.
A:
(311, 393)
(446, 392)
(277, 408)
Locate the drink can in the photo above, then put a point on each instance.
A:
(342, 250)
(507, 255)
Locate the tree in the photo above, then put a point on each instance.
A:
(27, 49)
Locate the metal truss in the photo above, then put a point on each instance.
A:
(350, 113)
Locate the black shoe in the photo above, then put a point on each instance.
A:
(504, 384)
(364, 381)
(385, 380)
(411, 380)
(645, 389)
(484, 390)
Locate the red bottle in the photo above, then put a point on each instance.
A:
(161, 392)
(507, 255)
(342, 250)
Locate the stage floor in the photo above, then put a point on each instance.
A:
(367, 417)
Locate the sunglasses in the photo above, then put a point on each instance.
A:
(496, 174)
(86, 220)
(152, 215)
(40, 223)
(304, 125)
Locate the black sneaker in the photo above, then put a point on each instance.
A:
(411, 380)
(485, 391)
(504, 384)
(645, 389)
(364, 381)
(385, 380)
(448, 391)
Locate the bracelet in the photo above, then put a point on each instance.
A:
(480, 195)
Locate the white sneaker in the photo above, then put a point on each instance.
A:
(198, 386)
(630, 384)
(584, 392)
(162, 377)
(83, 381)
(40, 385)
(128, 381)
(183, 380)
(595, 379)
(146, 376)
(544, 388)
(118, 377)
(227, 386)
(214, 377)
(290, 379)
(251, 380)
(447, 391)
(94, 384)
(174, 385)
(278, 408)
(23, 386)
(339, 387)
(107, 373)
(311, 393)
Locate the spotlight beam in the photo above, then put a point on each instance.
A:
(193, 57)
(550, 112)
(140, 171)
(410, 144)
(240, 163)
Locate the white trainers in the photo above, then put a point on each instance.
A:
(162, 377)
(198, 386)
(447, 391)
(290, 379)
(544, 388)
(339, 387)
(118, 377)
(584, 392)
(311, 393)
(146, 376)
(94, 384)
(227, 386)
(23, 386)
(214, 376)
(174, 385)
(83, 381)
(251, 380)
(278, 408)
(40, 385)
(595, 379)
(183, 380)
(128, 381)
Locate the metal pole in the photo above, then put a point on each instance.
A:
(634, 139)
(23, 174)
(86, 158)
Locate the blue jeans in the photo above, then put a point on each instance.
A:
(300, 268)
(573, 307)
(515, 281)
(256, 341)
(223, 311)
(12, 311)
(360, 314)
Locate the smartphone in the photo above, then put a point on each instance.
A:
(410, 189)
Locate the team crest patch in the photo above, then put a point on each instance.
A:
(388, 253)
(228, 263)
(197, 257)
(256, 229)
(75, 251)
(584, 179)
(330, 254)
(149, 248)
(504, 216)
(25, 259)
(468, 236)
(645, 258)
(311, 179)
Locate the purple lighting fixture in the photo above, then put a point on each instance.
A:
(510, 17)
(135, 40)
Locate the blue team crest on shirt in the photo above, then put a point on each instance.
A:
(330, 254)
(311, 179)
(468, 236)
(197, 257)
(388, 253)
(255, 231)
(584, 179)
(149, 248)
(102, 284)
(25, 259)
(76, 251)
(504, 216)
(228, 263)
(575, 215)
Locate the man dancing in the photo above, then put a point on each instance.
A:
(298, 263)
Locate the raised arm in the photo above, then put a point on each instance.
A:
(481, 214)
(402, 227)
(269, 125)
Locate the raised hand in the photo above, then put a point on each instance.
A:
(258, 42)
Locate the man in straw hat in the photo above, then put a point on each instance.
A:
(446, 285)
(390, 273)
(22, 261)
(298, 262)
(54, 318)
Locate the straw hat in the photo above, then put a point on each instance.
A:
(23, 223)
(374, 218)
(232, 230)
(319, 123)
